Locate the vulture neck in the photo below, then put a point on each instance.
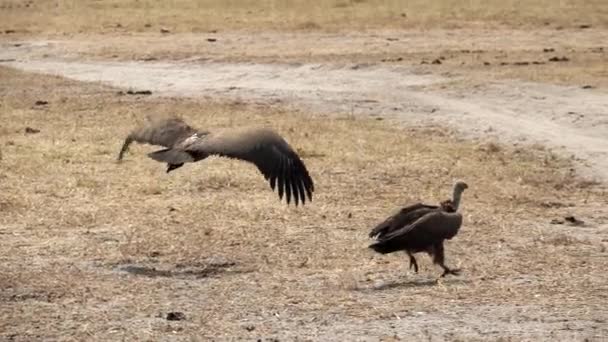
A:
(456, 198)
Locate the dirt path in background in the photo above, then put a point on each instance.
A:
(571, 120)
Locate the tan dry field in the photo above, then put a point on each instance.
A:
(98, 250)
(59, 17)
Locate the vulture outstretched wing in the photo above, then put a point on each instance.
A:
(273, 156)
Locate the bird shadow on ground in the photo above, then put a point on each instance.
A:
(388, 285)
(196, 270)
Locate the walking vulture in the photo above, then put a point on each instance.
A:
(421, 228)
(272, 155)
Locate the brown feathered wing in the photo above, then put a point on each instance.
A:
(430, 229)
(273, 156)
(401, 218)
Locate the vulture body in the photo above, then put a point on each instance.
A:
(421, 228)
(406, 216)
(266, 149)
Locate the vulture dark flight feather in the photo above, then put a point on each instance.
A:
(272, 155)
(421, 228)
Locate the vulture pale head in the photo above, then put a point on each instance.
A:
(459, 188)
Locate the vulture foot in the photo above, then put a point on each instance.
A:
(446, 271)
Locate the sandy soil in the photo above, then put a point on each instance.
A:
(569, 119)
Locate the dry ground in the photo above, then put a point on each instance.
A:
(93, 249)
(96, 250)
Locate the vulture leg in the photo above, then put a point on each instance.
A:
(452, 271)
(171, 167)
(439, 259)
(413, 263)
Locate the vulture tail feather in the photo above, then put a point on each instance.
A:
(171, 156)
(385, 246)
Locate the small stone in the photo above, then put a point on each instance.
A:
(139, 92)
(176, 316)
(574, 221)
(559, 59)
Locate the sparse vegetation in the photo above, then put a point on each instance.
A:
(93, 249)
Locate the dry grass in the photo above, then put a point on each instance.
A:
(89, 16)
(211, 240)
